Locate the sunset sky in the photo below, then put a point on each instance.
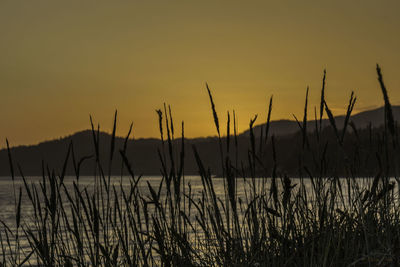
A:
(63, 60)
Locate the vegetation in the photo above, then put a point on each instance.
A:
(278, 221)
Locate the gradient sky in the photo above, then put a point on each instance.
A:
(63, 60)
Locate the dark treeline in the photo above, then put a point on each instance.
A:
(360, 155)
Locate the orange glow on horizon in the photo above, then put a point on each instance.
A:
(61, 61)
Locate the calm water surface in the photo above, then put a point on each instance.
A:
(7, 200)
(8, 203)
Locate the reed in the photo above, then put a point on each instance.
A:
(312, 219)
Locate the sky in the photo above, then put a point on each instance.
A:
(63, 60)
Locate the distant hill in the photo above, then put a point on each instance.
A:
(143, 153)
(361, 120)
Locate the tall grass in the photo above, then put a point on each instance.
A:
(277, 221)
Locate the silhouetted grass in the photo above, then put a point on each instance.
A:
(276, 221)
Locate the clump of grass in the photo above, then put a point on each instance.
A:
(276, 220)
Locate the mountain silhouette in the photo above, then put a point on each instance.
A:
(144, 154)
(361, 120)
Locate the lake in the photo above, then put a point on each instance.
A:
(192, 183)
